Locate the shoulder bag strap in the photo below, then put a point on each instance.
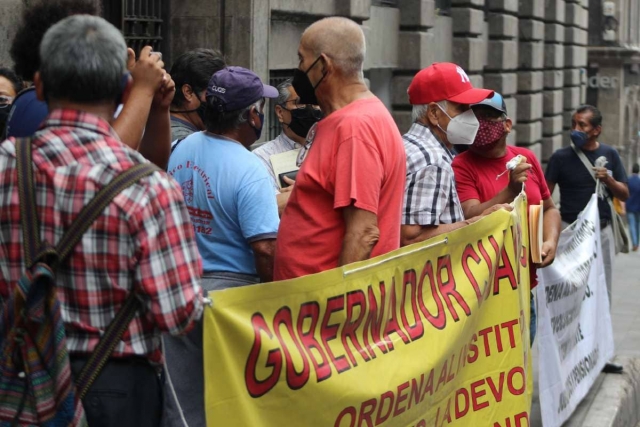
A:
(70, 239)
(28, 208)
(587, 164)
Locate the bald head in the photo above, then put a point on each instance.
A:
(339, 38)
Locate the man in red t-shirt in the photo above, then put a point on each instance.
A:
(477, 170)
(347, 200)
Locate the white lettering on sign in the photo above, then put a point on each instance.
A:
(463, 75)
(218, 89)
(603, 82)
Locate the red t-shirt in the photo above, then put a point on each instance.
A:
(357, 156)
(476, 179)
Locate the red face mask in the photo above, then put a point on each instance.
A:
(488, 136)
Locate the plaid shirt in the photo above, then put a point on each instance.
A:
(143, 242)
(430, 196)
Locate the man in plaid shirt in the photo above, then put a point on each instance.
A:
(143, 243)
(440, 96)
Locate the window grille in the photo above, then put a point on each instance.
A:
(275, 79)
(141, 21)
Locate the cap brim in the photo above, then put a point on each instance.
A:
(472, 96)
(269, 91)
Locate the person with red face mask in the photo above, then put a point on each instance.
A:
(482, 183)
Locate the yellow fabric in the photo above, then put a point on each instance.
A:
(451, 348)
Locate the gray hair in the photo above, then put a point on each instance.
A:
(83, 59)
(419, 111)
(222, 122)
(343, 41)
(283, 91)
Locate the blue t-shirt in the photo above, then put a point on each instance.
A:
(633, 202)
(230, 199)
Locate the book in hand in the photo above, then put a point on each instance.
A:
(535, 232)
(284, 164)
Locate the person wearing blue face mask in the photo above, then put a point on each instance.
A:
(577, 184)
(229, 195)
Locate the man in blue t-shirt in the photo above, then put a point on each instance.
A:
(229, 195)
(577, 183)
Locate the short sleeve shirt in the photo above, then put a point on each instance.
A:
(476, 179)
(280, 145)
(430, 196)
(577, 184)
(476, 176)
(356, 158)
(229, 197)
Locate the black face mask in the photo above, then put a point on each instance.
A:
(4, 116)
(200, 111)
(303, 87)
(302, 119)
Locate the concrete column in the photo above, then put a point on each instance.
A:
(612, 103)
(531, 62)
(500, 70)
(470, 37)
(417, 50)
(575, 60)
(10, 18)
(553, 94)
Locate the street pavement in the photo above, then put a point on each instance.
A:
(625, 317)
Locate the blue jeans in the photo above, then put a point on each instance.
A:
(634, 226)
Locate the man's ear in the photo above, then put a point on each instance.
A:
(432, 113)
(187, 92)
(508, 125)
(278, 110)
(598, 130)
(126, 91)
(326, 64)
(37, 83)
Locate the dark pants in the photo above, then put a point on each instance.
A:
(128, 393)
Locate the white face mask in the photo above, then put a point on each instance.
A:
(462, 128)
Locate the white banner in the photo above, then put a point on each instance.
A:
(575, 337)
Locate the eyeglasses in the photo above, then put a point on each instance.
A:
(296, 105)
(6, 100)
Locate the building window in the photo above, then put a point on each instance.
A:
(443, 7)
(141, 21)
(385, 3)
(277, 77)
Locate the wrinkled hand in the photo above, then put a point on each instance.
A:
(601, 173)
(147, 72)
(518, 176)
(548, 252)
(164, 95)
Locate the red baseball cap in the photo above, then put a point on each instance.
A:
(444, 81)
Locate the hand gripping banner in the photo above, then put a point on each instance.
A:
(434, 334)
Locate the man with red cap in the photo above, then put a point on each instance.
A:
(440, 96)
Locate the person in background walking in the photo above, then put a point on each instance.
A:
(633, 206)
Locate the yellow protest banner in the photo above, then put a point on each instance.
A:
(434, 334)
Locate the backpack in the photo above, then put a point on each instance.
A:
(36, 384)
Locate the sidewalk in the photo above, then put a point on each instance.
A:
(609, 389)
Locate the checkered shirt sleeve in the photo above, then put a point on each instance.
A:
(430, 196)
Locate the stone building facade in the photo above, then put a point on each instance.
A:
(614, 73)
(535, 52)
